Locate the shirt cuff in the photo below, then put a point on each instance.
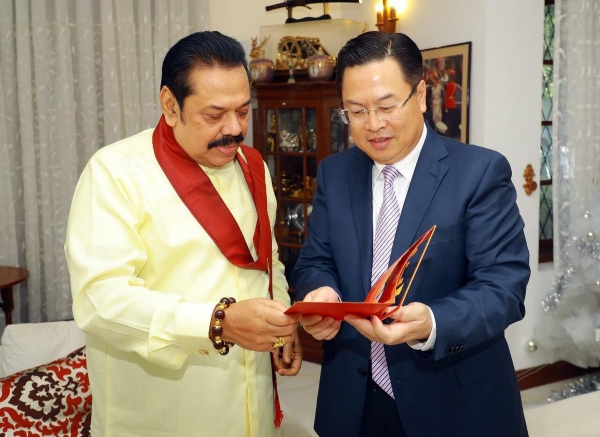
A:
(192, 327)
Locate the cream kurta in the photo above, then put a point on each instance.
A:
(145, 278)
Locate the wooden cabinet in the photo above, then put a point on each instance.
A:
(295, 126)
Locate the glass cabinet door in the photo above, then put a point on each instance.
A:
(340, 133)
(338, 128)
(295, 126)
(291, 153)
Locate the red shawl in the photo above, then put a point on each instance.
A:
(197, 192)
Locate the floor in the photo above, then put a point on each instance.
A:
(298, 395)
(298, 400)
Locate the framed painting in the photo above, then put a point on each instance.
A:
(446, 71)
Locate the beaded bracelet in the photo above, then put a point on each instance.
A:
(217, 331)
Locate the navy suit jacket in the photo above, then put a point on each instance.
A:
(473, 277)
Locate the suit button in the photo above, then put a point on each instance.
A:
(448, 350)
(362, 372)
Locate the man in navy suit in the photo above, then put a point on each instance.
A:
(449, 365)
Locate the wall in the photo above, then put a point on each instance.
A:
(505, 93)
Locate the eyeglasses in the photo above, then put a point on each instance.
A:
(383, 113)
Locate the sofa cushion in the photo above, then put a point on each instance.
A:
(49, 400)
(27, 345)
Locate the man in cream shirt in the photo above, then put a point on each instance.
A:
(163, 226)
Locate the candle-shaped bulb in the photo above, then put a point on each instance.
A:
(379, 10)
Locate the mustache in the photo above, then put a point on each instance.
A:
(226, 140)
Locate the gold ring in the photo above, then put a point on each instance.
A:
(279, 342)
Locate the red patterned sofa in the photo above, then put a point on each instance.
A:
(44, 386)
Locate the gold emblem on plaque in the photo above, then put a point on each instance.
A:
(293, 51)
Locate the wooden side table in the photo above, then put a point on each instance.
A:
(10, 276)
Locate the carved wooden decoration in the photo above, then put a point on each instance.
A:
(530, 185)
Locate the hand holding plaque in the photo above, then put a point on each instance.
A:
(381, 296)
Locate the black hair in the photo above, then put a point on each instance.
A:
(201, 49)
(377, 46)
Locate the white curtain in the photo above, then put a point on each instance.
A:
(75, 75)
(571, 330)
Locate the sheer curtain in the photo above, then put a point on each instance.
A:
(571, 330)
(75, 75)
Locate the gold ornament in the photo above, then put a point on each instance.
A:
(294, 51)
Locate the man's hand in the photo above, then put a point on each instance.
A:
(255, 324)
(412, 323)
(319, 327)
(288, 359)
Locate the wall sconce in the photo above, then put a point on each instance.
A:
(386, 15)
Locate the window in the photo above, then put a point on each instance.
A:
(546, 223)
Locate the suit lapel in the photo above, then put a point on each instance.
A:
(361, 201)
(426, 179)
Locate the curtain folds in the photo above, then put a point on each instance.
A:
(75, 75)
(571, 330)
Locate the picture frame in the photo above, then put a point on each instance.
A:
(446, 71)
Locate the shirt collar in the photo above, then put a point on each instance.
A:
(406, 166)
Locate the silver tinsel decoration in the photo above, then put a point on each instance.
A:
(585, 246)
(585, 384)
(561, 281)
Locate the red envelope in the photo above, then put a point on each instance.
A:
(389, 285)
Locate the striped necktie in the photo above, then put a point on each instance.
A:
(385, 231)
